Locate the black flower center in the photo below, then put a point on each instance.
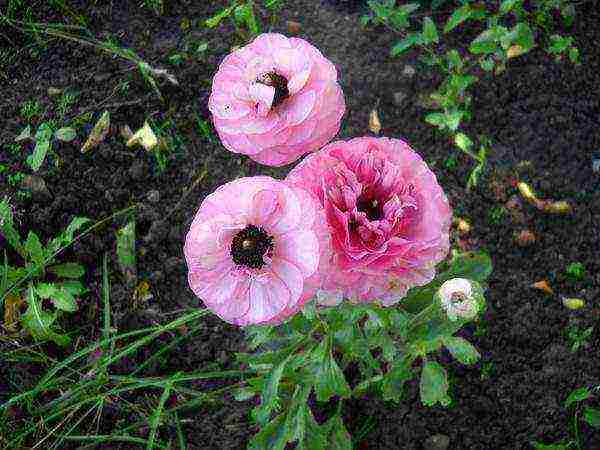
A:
(280, 83)
(372, 207)
(249, 246)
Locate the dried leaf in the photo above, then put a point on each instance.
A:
(573, 303)
(374, 122)
(98, 133)
(557, 207)
(12, 312)
(142, 292)
(514, 51)
(527, 193)
(543, 285)
(549, 206)
(293, 27)
(525, 238)
(145, 137)
(463, 226)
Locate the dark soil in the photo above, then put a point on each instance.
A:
(543, 117)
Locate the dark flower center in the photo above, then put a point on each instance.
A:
(280, 83)
(372, 207)
(249, 246)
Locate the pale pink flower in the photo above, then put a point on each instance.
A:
(458, 299)
(388, 217)
(253, 250)
(276, 99)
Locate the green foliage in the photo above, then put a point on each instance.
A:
(39, 262)
(510, 31)
(30, 110)
(578, 337)
(581, 412)
(311, 352)
(243, 14)
(576, 271)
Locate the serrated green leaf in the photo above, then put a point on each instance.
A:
(578, 395)
(430, 33)
(462, 350)
(34, 250)
(559, 43)
(392, 386)
(463, 142)
(67, 270)
(66, 237)
(485, 43)
(60, 297)
(39, 322)
(458, 16)
(272, 436)
(592, 416)
(269, 396)
(74, 287)
(405, 44)
(65, 134)
(434, 385)
(329, 378)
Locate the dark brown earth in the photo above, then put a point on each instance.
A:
(538, 111)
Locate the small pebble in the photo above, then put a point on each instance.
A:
(399, 98)
(153, 196)
(409, 71)
(437, 442)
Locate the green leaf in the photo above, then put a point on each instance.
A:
(453, 119)
(24, 134)
(67, 270)
(463, 142)
(126, 247)
(74, 287)
(430, 33)
(245, 14)
(462, 350)
(392, 386)
(329, 378)
(217, 18)
(405, 44)
(485, 43)
(557, 446)
(338, 436)
(257, 335)
(434, 385)
(476, 266)
(458, 16)
(487, 64)
(592, 416)
(7, 227)
(524, 36)
(574, 55)
(273, 436)
(40, 151)
(66, 237)
(454, 60)
(507, 5)
(578, 395)
(61, 298)
(34, 250)
(313, 436)
(269, 396)
(436, 119)
(66, 134)
(38, 322)
(559, 43)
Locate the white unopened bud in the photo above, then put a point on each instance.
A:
(458, 299)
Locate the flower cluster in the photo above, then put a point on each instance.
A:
(363, 220)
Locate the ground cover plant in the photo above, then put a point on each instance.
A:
(133, 115)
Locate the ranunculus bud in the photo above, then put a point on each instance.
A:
(459, 298)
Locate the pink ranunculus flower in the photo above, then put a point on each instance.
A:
(388, 217)
(253, 250)
(276, 99)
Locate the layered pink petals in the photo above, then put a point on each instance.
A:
(388, 217)
(276, 99)
(286, 227)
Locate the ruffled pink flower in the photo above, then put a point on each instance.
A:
(388, 217)
(253, 250)
(276, 99)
